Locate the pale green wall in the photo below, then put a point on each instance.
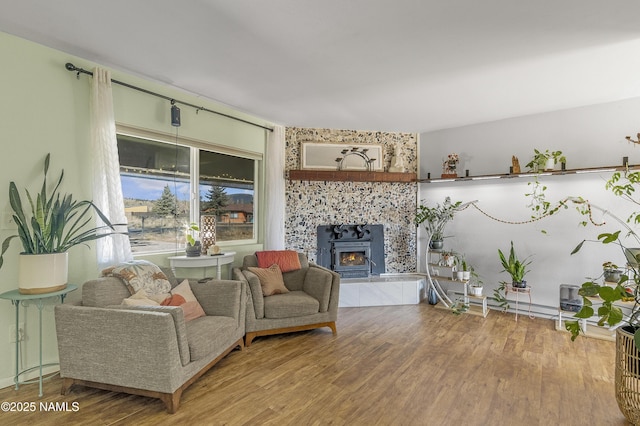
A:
(43, 108)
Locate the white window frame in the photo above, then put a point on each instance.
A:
(195, 146)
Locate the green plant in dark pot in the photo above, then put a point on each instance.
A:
(515, 267)
(52, 224)
(193, 247)
(434, 220)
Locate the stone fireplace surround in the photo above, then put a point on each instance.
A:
(310, 204)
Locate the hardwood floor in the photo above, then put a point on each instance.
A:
(392, 365)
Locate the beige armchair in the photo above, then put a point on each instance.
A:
(312, 300)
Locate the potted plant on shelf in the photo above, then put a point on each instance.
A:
(611, 272)
(447, 258)
(193, 247)
(463, 269)
(434, 220)
(466, 269)
(54, 224)
(475, 283)
(515, 267)
(545, 160)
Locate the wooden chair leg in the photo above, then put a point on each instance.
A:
(332, 326)
(248, 338)
(172, 400)
(66, 386)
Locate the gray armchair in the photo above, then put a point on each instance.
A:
(312, 300)
(146, 350)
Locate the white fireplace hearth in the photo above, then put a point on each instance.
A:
(383, 290)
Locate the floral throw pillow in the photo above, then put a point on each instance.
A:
(140, 275)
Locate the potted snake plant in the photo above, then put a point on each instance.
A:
(48, 227)
(515, 267)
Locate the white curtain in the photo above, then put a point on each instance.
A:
(275, 190)
(107, 189)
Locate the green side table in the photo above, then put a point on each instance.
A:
(38, 300)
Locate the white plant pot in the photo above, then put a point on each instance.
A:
(475, 291)
(459, 275)
(42, 273)
(448, 261)
(466, 275)
(550, 164)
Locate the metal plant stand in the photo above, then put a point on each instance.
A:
(38, 300)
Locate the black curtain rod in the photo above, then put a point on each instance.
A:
(70, 67)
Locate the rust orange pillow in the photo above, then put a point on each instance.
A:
(271, 280)
(287, 260)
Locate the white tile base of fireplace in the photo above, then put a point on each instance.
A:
(387, 289)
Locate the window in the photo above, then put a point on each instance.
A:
(166, 185)
(227, 192)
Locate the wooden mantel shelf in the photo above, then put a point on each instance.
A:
(351, 176)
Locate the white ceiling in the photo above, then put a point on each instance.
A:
(394, 65)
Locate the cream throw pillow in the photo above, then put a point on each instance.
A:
(140, 299)
(270, 280)
(182, 296)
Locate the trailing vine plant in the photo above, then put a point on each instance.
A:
(539, 204)
(622, 185)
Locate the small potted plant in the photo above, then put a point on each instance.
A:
(193, 247)
(466, 269)
(475, 284)
(447, 258)
(611, 272)
(515, 267)
(463, 269)
(434, 220)
(545, 160)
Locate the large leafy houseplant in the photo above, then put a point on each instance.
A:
(609, 312)
(434, 219)
(53, 222)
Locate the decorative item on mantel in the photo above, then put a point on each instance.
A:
(397, 162)
(357, 151)
(449, 166)
(515, 164)
(338, 156)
